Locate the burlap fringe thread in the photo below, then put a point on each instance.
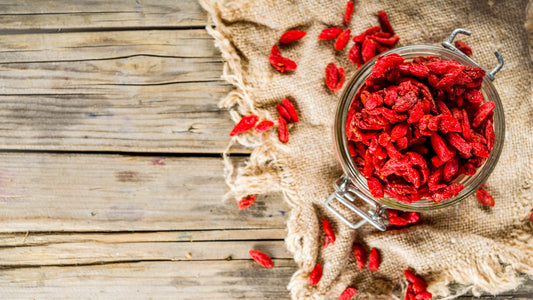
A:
(263, 174)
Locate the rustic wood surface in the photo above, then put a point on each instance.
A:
(110, 177)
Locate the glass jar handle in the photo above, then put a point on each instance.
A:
(448, 45)
(346, 193)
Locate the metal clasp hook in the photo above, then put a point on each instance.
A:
(448, 44)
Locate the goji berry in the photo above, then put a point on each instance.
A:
(384, 22)
(348, 12)
(531, 217)
(247, 201)
(245, 124)
(370, 31)
(292, 36)
(368, 50)
(283, 132)
(316, 274)
(279, 62)
(348, 293)
(483, 112)
(360, 255)
(425, 295)
(463, 47)
(355, 54)
(283, 112)
(484, 197)
(415, 279)
(375, 187)
(330, 33)
(263, 126)
(261, 258)
(291, 110)
(328, 231)
(334, 77)
(374, 260)
(342, 40)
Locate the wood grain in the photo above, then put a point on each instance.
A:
(57, 15)
(84, 192)
(236, 279)
(139, 91)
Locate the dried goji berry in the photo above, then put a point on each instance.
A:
(348, 12)
(291, 110)
(283, 132)
(245, 124)
(425, 295)
(283, 112)
(261, 258)
(415, 279)
(291, 36)
(360, 38)
(531, 217)
(484, 110)
(348, 293)
(368, 50)
(446, 192)
(316, 274)
(247, 201)
(330, 33)
(375, 187)
(360, 255)
(484, 197)
(374, 260)
(355, 54)
(342, 40)
(463, 47)
(328, 231)
(279, 62)
(263, 126)
(384, 22)
(334, 77)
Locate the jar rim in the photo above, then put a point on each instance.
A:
(344, 158)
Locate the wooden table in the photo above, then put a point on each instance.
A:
(111, 176)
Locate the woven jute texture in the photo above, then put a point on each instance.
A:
(481, 249)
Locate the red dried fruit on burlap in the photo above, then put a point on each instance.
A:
(263, 126)
(247, 201)
(279, 62)
(384, 22)
(360, 255)
(283, 112)
(292, 36)
(463, 47)
(261, 258)
(330, 33)
(291, 110)
(425, 295)
(484, 197)
(245, 124)
(342, 40)
(316, 274)
(348, 293)
(374, 260)
(283, 132)
(334, 77)
(348, 12)
(328, 231)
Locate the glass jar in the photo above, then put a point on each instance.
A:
(352, 185)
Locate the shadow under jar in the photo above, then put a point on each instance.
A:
(352, 186)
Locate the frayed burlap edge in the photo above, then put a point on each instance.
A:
(262, 174)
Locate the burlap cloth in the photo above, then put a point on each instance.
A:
(482, 249)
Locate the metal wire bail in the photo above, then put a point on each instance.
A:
(448, 45)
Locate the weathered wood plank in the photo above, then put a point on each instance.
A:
(74, 253)
(39, 239)
(150, 280)
(42, 14)
(142, 91)
(75, 192)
